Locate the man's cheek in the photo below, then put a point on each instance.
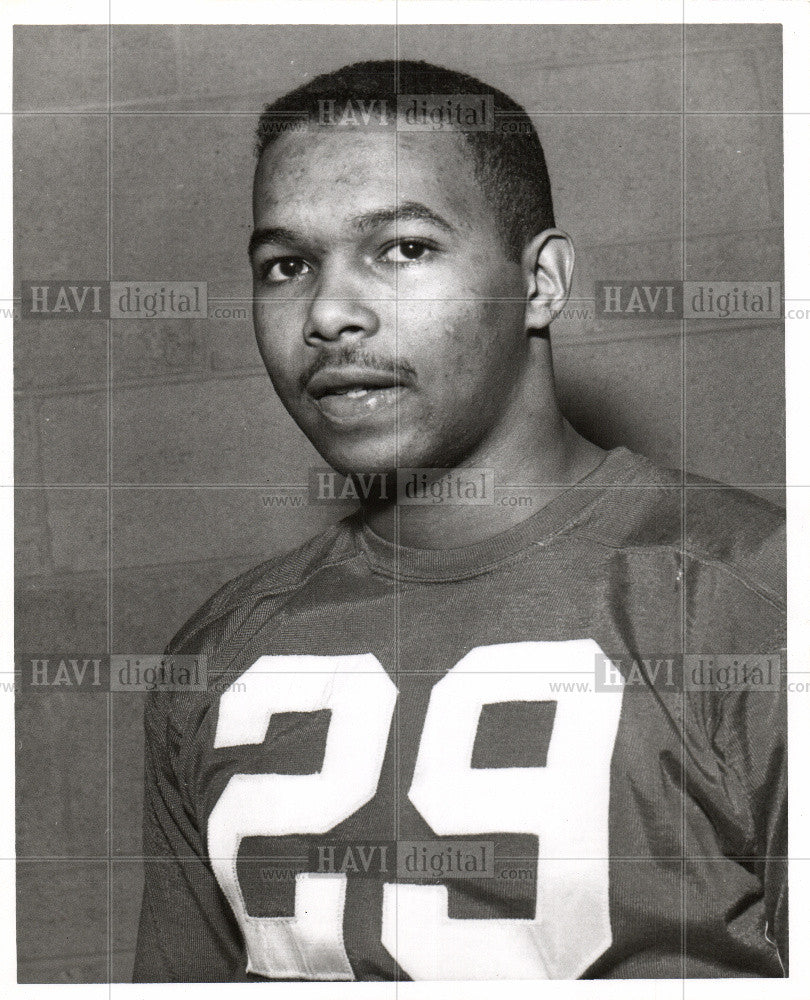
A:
(472, 336)
(279, 332)
(503, 317)
(439, 326)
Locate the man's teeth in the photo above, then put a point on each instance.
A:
(358, 391)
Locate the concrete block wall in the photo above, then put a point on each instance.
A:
(198, 450)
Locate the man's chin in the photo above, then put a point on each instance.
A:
(363, 466)
(366, 457)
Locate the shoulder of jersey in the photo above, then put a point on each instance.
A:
(740, 530)
(720, 525)
(274, 577)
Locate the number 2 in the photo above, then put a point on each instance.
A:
(565, 804)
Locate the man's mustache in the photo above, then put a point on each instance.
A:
(356, 357)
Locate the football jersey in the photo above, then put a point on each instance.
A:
(556, 753)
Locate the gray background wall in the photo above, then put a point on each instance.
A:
(196, 442)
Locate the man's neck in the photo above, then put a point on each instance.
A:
(522, 488)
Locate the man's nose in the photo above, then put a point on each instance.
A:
(338, 308)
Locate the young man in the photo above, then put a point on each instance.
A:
(449, 741)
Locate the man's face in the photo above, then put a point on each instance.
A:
(387, 311)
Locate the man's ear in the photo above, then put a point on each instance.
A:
(548, 265)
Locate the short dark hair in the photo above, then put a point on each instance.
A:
(508, 160)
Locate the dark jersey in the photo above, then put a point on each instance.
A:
(558, 753)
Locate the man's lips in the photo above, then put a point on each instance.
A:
(337, 381)
(349, 395)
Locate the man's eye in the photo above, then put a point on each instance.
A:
(406, 251)
(284, 269)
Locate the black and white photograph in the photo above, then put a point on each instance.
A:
(400, 562)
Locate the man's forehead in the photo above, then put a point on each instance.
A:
(322, 168)
(351, 173)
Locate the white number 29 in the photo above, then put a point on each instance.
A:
(564, 804)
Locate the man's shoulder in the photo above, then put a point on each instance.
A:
(274, 578)
(732, 530)
(209, 632)
(739, 530)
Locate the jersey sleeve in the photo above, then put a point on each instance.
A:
(186, 932)
(753, 731)
(741, 586)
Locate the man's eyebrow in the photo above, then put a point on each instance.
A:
(407, 211)
(271, 234)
